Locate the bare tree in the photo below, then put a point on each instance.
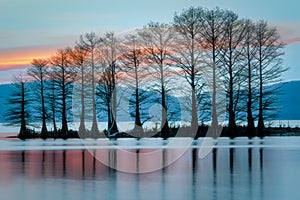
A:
(211, 39)
(131, 60)
(156, 42)
(249, 50)
(103, 94)
(270, 69)
(63, 75)
(89, 43)
(78, 59)
(109, 53)
(234, 33)
(19, 107)
(38, 72)
(189, 55)
(51, 91)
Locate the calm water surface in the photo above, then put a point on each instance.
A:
(234, 169)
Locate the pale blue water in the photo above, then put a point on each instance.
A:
(234, 169)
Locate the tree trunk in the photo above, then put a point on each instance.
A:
(44, 131)
(232, 124)
(64, 122)
(23, 131)
(53, 110)
(114, 127)
(194, 123)
(231, 111)
(94, 129)
(64, 128)
(214, 122)
(250, 131)
(260, 125)
(82, 116)
(109, 120)
(137, 124)
(164, 117)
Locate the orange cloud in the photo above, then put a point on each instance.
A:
(21, 57)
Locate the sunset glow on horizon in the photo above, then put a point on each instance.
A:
(21, 58)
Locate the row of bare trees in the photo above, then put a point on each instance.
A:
(201, 54)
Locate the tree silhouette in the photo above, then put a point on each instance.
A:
(269, 58)
(249, 52)
(211, 39)
(109, 53)
(189, 55)
(19, 107)
(63, 75)
(78, 57)
(131, 60)
(52, 102)
(38, 72)
(234, 33)
(156, 42)
(89, 42)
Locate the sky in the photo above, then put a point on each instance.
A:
(35, 29)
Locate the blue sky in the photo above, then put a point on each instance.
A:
(38, 27)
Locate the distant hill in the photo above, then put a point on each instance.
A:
(289, 101)
(5, 92)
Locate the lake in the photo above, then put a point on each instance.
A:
(151, 169)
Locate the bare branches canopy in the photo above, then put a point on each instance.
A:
(200, 54)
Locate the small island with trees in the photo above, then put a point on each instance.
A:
(203, 55)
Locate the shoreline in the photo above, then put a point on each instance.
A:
(270, 132)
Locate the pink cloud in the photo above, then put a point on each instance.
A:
(289, 32)
(292, 40)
